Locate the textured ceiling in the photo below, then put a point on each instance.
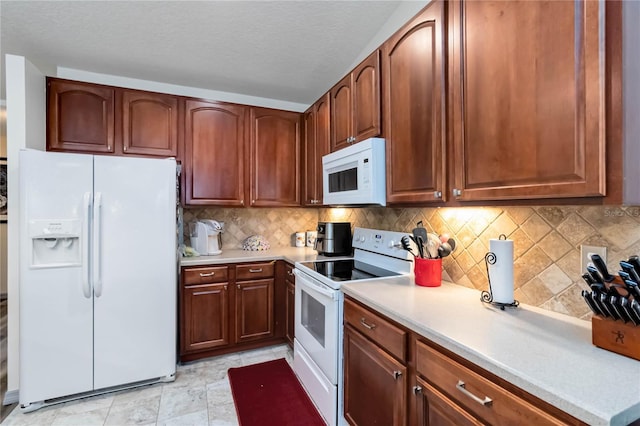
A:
(285, 50)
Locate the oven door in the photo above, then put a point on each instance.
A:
(317, 321)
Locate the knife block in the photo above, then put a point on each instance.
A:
(616, 336)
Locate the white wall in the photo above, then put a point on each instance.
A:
(194, 92)
(26, 122)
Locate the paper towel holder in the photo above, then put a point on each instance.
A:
(487, 296)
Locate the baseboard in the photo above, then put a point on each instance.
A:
(11, 397)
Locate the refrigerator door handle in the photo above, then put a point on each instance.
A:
(97, 244)
(86, 211)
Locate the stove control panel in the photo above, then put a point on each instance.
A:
(380, 242)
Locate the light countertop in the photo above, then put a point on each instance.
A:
(547, 354)
(290, 254)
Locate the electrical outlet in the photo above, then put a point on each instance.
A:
(587, 251)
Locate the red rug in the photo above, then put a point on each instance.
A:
(269, 393)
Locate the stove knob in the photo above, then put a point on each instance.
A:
(361, 238)
(394, 245)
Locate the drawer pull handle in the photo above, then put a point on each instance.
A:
(486, 401)
(210, 274)
(290, 273)
(417, 389)
(397, 374)
(364, 323)
(253, 271)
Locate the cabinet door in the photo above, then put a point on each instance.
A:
(204, 317)
(435, 409)
(413, 109)
(366, 98)
(254, 310)
(275, 157)
(341, 114)
(317, 141)
(80, 117)
(375, 384)
(528, 110)
(214, 153)
(149, 124)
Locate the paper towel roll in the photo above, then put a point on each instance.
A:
(501, 272)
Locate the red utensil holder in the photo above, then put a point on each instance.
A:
(428, 272)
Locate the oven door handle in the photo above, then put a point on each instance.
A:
(310, 283)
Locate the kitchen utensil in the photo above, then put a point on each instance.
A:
(452, 243)
(633, 288)
(420, 243)
(587, 298)
(619, 312)
(630, 270)
(624, 304)
(635, 261)
(601, 299)
(421, 231)
(444, 250)
(433, 243)
(587, 279)
(595, 275)
(602, 268)
(595, 296)
(406, 244)
(634, 305)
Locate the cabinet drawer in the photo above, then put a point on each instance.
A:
(378, 329)
(476, 394)
(204, 275)
(254, 271)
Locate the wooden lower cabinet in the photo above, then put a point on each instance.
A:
(228, 308)
(435, 409)
(412, 381)
(205, 312)
(375, 383)
(290, 301)
(254, 310)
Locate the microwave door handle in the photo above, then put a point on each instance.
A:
(308, 283)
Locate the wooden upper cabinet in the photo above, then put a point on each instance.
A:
(91, 118)
(275, 157)
(414, 95)
(341, 113)
(214, 153)
(317, 136)
(149, 123)
(527, 110)
(80, 117)
(355, 104)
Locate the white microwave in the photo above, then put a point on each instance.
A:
(355, 175)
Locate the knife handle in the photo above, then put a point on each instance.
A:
(594, 274)
(591, 303)
(630, 270)
(602, 267)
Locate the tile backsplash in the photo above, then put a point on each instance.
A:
(547, 240)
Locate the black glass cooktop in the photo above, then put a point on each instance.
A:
(348, 270)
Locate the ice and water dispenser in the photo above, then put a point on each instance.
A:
(55, 243)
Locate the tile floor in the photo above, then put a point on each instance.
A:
(200, 395)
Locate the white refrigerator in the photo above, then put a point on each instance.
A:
(98, 272)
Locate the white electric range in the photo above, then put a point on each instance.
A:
(318, 350)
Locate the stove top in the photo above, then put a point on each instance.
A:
(347, 270)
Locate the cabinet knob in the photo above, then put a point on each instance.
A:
(242, 202)
(397, 374)
(238, 286)
(124, 148)
(417, 389)
(457, 192)
(437, 194)
(290, 273)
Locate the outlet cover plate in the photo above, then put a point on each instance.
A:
(587, 251)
